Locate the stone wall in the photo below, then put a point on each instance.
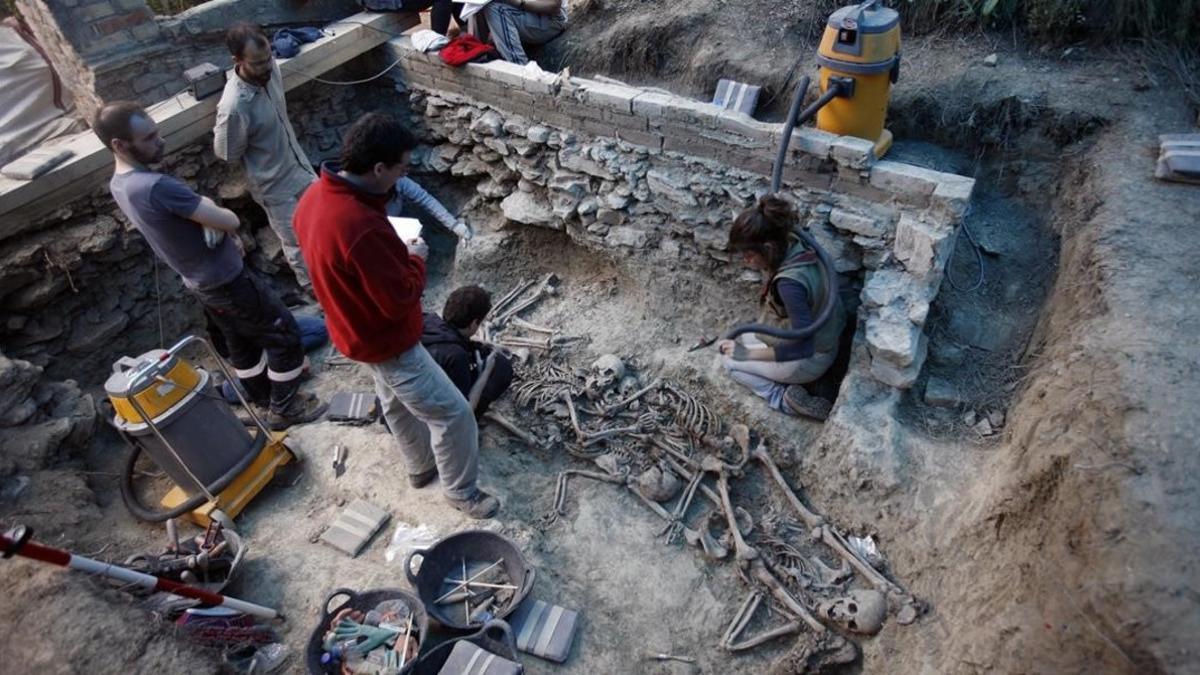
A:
(640, 171)
(79, 289)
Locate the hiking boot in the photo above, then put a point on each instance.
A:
(420, 480)
(805, 404)
(303, 408)
(479, 506)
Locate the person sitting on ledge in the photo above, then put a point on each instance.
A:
(513, 24)
(766, 236)
(479, 371)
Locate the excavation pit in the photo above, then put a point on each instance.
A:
(955, 443)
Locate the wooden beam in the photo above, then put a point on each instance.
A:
(181, 120)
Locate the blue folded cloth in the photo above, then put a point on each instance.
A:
(287, 41)
(313, 332)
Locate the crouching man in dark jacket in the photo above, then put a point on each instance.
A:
(480, 372)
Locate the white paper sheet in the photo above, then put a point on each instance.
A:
(472, 7)
(406, 228)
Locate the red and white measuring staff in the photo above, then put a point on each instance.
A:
(16, 542)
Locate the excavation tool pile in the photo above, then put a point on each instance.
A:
(679, 459)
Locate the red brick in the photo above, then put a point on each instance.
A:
(112, 24)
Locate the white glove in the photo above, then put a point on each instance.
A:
(463, 230)
(212, 237)
(418, 247)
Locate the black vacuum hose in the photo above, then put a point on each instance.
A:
(142, 512)
(828, 302)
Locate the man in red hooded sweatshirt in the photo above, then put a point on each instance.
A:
(369, 283)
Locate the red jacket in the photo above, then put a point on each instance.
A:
(362, 274)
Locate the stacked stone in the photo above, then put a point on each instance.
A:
(39, 419)
(558, 152)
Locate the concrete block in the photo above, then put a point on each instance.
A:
(505, 73)
(858, 224)
(855, 153)
(904, 180)
(651, 104)
(540, 83)
(645, 139)
(623, 121)
(762, 133)
(578, 110)
(813, 142)
(596, 128)
(609, 96)
(737, 140)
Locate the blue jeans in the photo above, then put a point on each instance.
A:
(512, 27)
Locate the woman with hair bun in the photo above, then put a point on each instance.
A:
(766, 236)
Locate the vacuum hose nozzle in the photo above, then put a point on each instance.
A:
(797, 116)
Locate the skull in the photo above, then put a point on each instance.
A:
(860, 611)
(657, 484)
(628, 385)
(606, 371)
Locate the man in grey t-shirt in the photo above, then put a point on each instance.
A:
(260, 333)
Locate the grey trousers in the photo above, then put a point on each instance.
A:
(280, 210)
(512, 27)
(770, 379)
(430, 419)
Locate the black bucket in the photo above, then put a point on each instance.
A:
(363, 602)
(445, 557)
(495, 637)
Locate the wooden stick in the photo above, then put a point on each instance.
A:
(407, 633)
(476, 576)
(467, 607)
(480, 584)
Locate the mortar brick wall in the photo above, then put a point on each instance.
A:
(664, 175)
(95, 44)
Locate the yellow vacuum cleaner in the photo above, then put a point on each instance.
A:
(859, 59)
(169, 409)
(860, 52)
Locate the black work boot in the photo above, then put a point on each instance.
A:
(479, 506)
(301, 409)
(420, 480)
(805, 404)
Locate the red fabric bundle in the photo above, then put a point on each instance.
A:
(464, 49)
